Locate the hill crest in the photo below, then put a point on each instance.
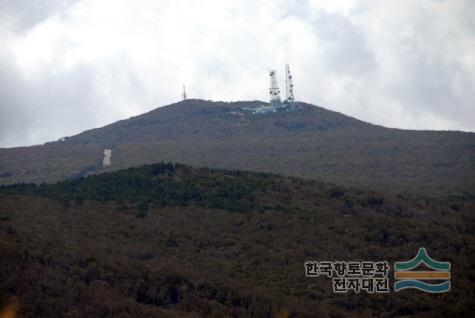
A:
(207, 119)
(312, 143)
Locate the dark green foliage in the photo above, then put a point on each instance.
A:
(165, 184)
(142, 210)
(82, 249)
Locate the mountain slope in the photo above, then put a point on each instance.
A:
(202, 120)
(122, 244)
(312, 143)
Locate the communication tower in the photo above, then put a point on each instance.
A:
(274, 91)
(289, 86)
(183, 95)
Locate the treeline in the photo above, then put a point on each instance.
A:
(178, 185)
(165, 184)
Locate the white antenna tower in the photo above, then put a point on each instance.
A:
(289, 86)
(183, 95)
(274, 90)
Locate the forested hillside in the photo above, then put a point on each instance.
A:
(169, 240)
(312, 143)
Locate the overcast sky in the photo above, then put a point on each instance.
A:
(67, 66)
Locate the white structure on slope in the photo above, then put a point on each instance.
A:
(107, 157)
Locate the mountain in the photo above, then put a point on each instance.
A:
(169, 240)
(311, 142)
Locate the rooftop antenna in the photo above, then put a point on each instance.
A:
(274, 90)
(183, 95)
(289, 86)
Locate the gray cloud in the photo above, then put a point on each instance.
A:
(63, 104)
(345, 48)
(25, 14)
(67, 66)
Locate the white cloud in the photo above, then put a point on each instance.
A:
(74, 65)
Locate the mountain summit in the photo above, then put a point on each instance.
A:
(203, 120)
(309, 142)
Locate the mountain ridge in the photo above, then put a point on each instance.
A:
(312, 143)
(216, 110)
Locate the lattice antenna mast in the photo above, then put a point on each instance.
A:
(183, 95)
(274, 90)
(289, 86)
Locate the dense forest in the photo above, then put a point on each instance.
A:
(169, 240)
